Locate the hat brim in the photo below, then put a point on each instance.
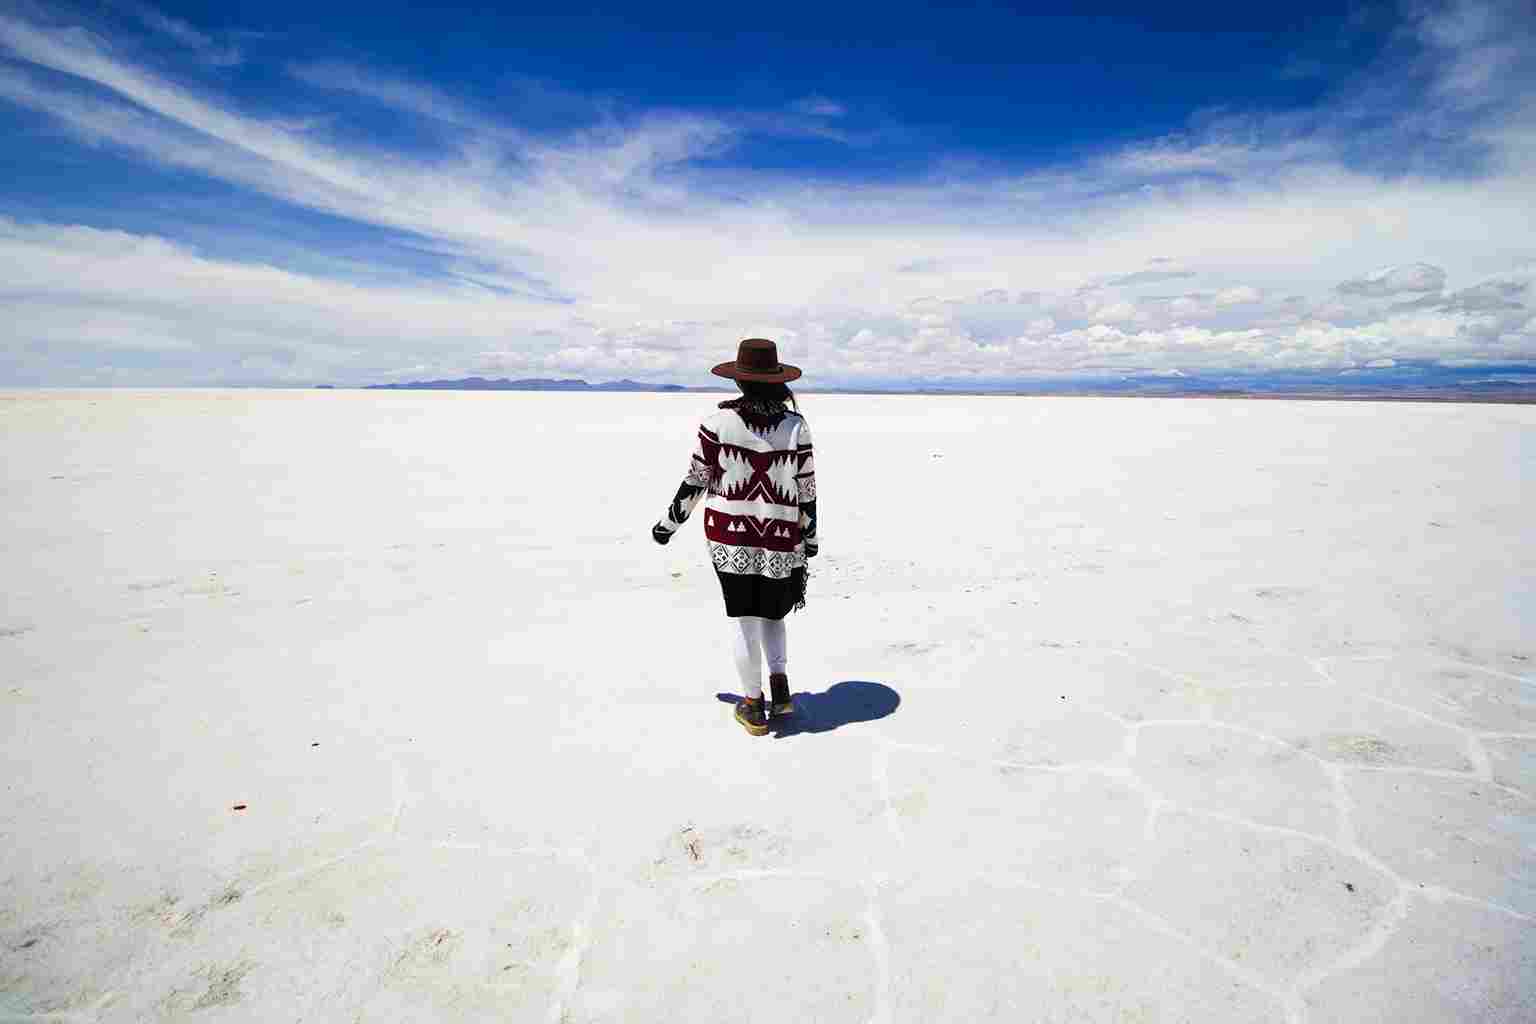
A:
(785, 373)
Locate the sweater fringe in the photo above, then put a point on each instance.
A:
(800, 580)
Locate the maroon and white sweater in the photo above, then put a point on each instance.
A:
(760, 514)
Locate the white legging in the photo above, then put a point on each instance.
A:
(754, 638)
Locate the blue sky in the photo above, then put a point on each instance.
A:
(284, 193)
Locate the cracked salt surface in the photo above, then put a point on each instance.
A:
(1273, 759)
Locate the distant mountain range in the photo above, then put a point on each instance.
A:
(527, 384)
(1402, 380)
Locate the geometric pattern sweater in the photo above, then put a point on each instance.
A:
(760, 478)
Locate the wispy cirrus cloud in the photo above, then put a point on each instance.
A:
(819, 106)
(623, 243)
(202, 45)
(421, 100)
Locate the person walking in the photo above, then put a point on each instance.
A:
(754, 459)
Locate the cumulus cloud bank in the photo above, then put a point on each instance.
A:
(627, 246)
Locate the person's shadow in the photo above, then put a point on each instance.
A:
(852, 700)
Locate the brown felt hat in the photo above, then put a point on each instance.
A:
(757, 359)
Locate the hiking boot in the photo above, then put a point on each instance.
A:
(782, 705)
(750, 714)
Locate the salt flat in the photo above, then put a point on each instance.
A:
(1116, 710)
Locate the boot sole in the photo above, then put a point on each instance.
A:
(755, 730)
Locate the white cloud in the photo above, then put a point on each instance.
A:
(1117, 312)
(1150, 276)
(819, 106)
(618, 248)
(207, 49)
(406, 96)
(1242, 295)
(1413, 277)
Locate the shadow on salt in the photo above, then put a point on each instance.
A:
(844, 703)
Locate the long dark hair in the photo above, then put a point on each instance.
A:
(758, 392)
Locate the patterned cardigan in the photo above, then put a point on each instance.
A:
(760, 516)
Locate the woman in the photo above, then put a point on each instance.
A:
(754, 458)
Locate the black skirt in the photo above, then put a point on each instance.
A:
(749, 594)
